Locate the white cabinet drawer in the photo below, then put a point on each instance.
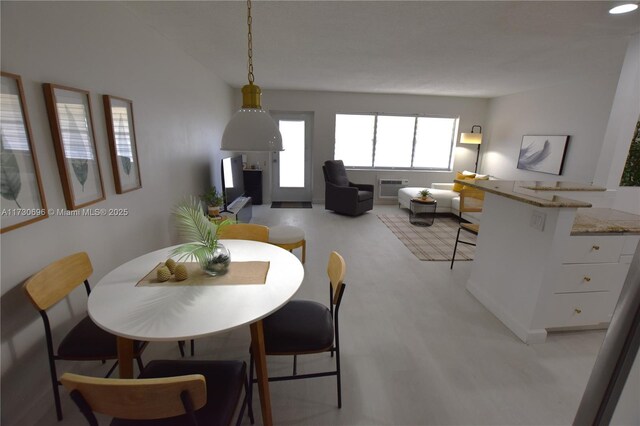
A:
(575, 309)
(583, 277)
(630, 244)
(594, 249)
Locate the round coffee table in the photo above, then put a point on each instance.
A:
(422, 211)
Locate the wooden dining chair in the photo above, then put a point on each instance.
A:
(245, 231)
(86, 341)
(167, 393)
(307, 327)
(471, 201)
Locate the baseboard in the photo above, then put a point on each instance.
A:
(526, 335)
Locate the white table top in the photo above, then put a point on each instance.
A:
(173, 313)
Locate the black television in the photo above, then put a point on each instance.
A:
(232, 179)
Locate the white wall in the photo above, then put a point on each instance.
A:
(180, 112)
(579, 108)
(625, 113)
(325, 105)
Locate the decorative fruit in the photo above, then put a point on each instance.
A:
(171, 264)
(181, 272)
(164, 274)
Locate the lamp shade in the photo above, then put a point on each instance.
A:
(251, 129)
(471, 138)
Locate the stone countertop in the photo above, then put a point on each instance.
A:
(605, 221)
(523, 191)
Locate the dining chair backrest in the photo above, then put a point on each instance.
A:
(50, 285)
(245, 231)
(336, 269)
(471, 200)
(137, 399)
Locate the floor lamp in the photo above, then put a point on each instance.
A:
(473, 139)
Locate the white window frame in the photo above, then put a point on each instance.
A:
(454, 133)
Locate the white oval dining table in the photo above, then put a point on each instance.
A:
(175, 312)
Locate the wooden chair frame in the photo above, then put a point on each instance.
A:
(467, 207)
(245, 231)
(69, 272)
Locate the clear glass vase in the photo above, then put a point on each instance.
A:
(218, 261)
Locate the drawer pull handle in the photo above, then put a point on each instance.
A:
(577, 310)
(596, 247)
(587, 279)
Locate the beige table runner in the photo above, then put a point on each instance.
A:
(238, 273)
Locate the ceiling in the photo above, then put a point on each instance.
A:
(453, 48)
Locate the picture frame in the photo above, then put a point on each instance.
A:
(122, 143)
(543, 153)
(23, 200)
(74, 141)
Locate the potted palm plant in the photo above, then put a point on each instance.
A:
(424, 194)
(214, 201)
(202, 234)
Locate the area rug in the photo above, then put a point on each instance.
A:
(291, 205)
(433, 242)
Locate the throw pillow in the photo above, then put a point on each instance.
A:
(457, 187)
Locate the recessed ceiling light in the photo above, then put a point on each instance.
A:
(623, 8)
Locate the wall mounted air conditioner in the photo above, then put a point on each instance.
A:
(388, 188)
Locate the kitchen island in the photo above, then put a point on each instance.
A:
(546, 262)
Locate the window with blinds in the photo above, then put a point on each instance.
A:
(387, 141)
(75, 130)
(12, 130)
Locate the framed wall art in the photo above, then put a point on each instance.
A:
(74, 141)
(23, 199)
(543, 154)
(122, 143)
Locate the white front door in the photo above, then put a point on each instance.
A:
(291, 175)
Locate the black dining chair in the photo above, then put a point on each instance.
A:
(306, 327)
(86, 341)
(167, 393)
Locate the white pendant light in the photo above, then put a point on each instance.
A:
(623, 8)
(251, 128)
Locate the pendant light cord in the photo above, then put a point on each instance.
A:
(250, 43)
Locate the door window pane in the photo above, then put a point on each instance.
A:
(354, 139)
(394, 141)
(292, 158)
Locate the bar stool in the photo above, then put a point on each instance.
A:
(288, 237)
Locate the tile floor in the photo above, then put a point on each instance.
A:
(417, 348)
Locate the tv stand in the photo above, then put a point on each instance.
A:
(239, 210)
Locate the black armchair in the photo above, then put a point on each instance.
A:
(342, 196)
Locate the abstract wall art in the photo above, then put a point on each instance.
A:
(543, 154)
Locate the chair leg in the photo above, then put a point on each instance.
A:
(304, 250)
(295, 365)
(338, 378)
(455, 247)
(193, 347)
(247, 386)
(181, 347)
(140, 364)
(56, 391)
(250, 390)
(111, 370)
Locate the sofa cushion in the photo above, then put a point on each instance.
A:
(442, 196)
(457, 187)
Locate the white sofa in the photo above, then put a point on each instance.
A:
(448, 200)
